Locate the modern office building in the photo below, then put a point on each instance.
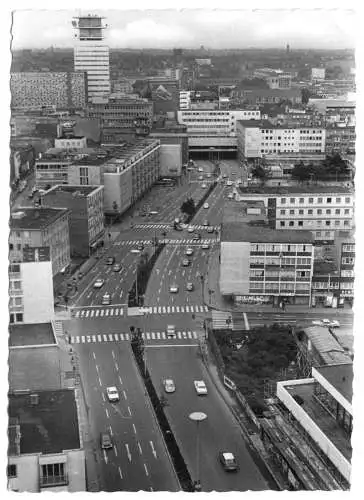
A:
(51, 168)
(61, 90)
(267, 96)
(45, 452)
(259, 264)
(318, 73)
(86, 205)
(91, 55)
(40, 227)
(31, 287)
(257, 139)
(323, 210)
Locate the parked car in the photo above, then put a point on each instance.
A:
(171, 331)
(190, 229)
(229, 183)
(204, 185)
(112, 394)
(330, 323)
(189, 251)
(110, 261)
(105, 441)
(205, 223)
(200, 177)
(169, 385)
(205, 246)
(200, 387)
(99, 283)
(228, 461)
(200, 169)
(173, 289)
(210, 229)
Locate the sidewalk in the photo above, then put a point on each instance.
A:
(218, 302)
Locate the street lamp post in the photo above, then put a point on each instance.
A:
(197, 416)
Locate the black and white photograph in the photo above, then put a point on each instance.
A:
(181, 223)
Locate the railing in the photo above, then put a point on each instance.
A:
(59, 480)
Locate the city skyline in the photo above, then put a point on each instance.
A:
(191, 29)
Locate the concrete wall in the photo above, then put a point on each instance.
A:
(118, 188)
(170, 160)
(76, 470)
(27, 479)
(37, 292)
(234, 268)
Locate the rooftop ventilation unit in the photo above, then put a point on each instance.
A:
(34, 399)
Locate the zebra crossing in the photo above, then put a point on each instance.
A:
(169, 226)
(122, 337)
(113, 312)
(132, 243)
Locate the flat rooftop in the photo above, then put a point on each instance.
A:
(35, 218)
(322, 418)
(51, 426)
(340, 376)
(66, 188)
(32, 334)
(294, 190)
(243, 231)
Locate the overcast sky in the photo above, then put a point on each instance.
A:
(192, 28)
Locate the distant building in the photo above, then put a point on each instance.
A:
(61, 90)
(185, 99)
(262, 265)
(340, 139)
(276, 79)
(323, 210)
(91, 55)
(318, 73)
(165, 94)
(266, 96)
(171, 132)
(86, 205)
(31, 287)
(40, 227)
(45, 450)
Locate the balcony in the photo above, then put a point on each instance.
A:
(49, 481)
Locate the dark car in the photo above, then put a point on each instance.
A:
(196, 236)
(228, 461)
(105, 441)
(117, 267)
(210, 230)
(110, 261)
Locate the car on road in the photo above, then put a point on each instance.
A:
(112, 394)
(105, 441)
(200, 387)
(140, 247)
(224, 176)
(200, 169)
(106, 299)
(209, 176)
(186, 262)
(117, 267)
(173, 289)
(228, 461)
(229, 183)
(99, 283)
(230, 196)
(169, 385)
(196, 236)
(110, 261)
(189, 251)
(190, 229)
(204, 185)
(206, 205)
(210, 229)
(205, 223)
(200, 177)
(330, 323)
(171, 331)
(205, 246)
(189, 287)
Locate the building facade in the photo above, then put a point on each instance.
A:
(61, 90)
(41, 227)
(86, 205)
(31, 288)
(340, 139)
(318, 73)
(165, 94)
(92, 56)
(347, 265)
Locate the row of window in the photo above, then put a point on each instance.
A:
(348, 248)
(283, 274)
(319, 211)
(278, 247)
(328, 223)
(329, 199)
(271, 285)
(280, 261)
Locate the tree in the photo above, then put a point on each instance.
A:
(188, 207)
(305, 94)
(301, 172)
(260, 173)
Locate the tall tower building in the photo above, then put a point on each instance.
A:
(91, 55)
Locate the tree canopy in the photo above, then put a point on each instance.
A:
(332, 168)
(188, 207)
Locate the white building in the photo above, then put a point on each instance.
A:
(318, 73)
(31, 288)
(258, 139)
(92, 56)
(184, 99)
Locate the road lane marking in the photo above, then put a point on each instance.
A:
(146, 470)
(124, 394)
(111, 433)
(100, 381)
(134, 429)
(107, 413)
(117, 367)
(112, 353)
(121, 476)
(105, 457)
(128, 451)
(97, 368)
(94, 355)
(121, 382)
(103, 396)
(116, 451)
(140, 448)
(129, 410)
(153, 450)
(246, 321)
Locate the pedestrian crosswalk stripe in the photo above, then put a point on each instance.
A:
(102, 312)
(110, 337)
(85, 339)
(168, 309)
(114, 312)
(116, 336)
(153, 335)
(107, 312)
(104, 338)
(97, 312)
(163, 309)
(99, 338)
(187, 309)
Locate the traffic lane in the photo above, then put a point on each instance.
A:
(147, 439)
(257, 318)
(219, 432)
(159, 276)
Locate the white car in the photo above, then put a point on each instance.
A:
(169, 385)
(205, 246)
(106, 299)
(173, 289)
(190, 229)
(112, 394)
(204, 185)
(200, 169)
(230, 196)
(229, 183)
(206, 205)
(330, 323)
(99, 283)
(200, 387)
(189, 251)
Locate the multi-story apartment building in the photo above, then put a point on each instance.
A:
(267, 96)
(45, 452)
(66, 142)
(86, 205)
(119, 116)
(261, 265)
(323, 210)
(126, 171)
(256, 139)
(31, 287)
(91, 55)
(41, 227)
(216, 129)
(347, 264)
(340, 139)
(61, 90)
(318, 73)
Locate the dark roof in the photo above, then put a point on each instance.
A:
(240, 231)
(341, 377)
(35, 218)
(51, 426)
(28, 335)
